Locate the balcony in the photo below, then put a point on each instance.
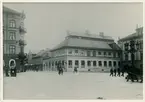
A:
(22, 30)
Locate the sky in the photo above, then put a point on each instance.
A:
(47, 23)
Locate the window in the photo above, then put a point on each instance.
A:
(118, 54)
(12, 23)
(88, 53)
(99, 53)
(141, 44)
(82, 52)
(141, 56)
(94, 63)
(49, 64)
(104, 53)
(114, 54)
(56, 63)
(70, 63)
(109, 53)
(82, 64)
(110, 63)
(119, 63)
(126, 57)
(105, 63)
(94, 53)
(12, 49)
(70, 51)
(12, 36)
(89, 63)
(62, 62)
(52, 63)
(114, 63)
(100, 63)
(76, 51)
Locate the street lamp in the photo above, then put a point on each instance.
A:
(132, 49)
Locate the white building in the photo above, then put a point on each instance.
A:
(86, 51)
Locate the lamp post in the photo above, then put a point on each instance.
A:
(132, 49)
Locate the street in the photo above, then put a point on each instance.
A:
(50, 85)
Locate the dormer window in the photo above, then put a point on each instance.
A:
(76, 51)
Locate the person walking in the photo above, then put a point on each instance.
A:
(7, 71)
(111, 72)
(75, 69)
(118, 70)
(115, 72)
(122, 71)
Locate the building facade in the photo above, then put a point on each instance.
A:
(137, 37)
(13, 34)
(37, 59)
(89, 52)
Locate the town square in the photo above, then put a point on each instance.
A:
(73, 51)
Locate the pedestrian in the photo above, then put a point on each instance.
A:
(75, 69)
(60, 70)
(7, 71)
(111, 72)
(122, 72)
(115, 72)
(118, 70)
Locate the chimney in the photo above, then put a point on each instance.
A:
(101, 34)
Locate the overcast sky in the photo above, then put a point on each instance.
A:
(46, 23)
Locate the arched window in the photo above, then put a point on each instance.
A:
(12, 23)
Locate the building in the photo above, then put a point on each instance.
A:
(37, 59)
(13, 34)
(89, 52)
(137, 36)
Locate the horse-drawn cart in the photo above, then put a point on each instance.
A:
(134, 74)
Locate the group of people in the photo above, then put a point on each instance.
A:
(61, 68)
(116, 72)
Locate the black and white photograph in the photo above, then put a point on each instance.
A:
(72, 50)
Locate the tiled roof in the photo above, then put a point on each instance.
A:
(6, 9)
(84, 43)
(42, 53)
(87, 35)
(131, 36)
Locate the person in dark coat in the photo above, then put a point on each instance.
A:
(75, 69)
(60, 69)
(122, 72)
(114, 72)
(111, 72)
(6, 71)
(118, 70)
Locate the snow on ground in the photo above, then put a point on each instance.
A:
(49, 85)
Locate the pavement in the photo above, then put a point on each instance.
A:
(50, 85)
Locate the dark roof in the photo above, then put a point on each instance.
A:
(84, 43)
(94, 36)
(8, 10)
(42, 53)
(114, 46)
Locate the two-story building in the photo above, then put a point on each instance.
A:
(138, 54)
(13, 34)
(86, 51)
